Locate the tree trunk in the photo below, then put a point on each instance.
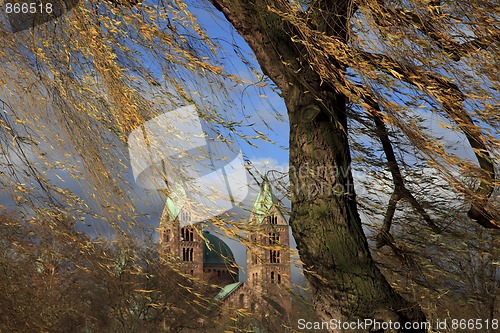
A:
(325, 222)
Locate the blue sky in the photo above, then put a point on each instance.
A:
(260, 110)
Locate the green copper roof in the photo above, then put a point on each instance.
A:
(265, 201)
(176, 195)
(216, 251)
(173, 209)
(228, 290)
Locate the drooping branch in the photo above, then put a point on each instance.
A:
(18, 142)
(400, 190)
(452, 99)
(440, 88)
(315, 142)
(385, 17)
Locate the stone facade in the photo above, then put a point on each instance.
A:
(268, 259)
(205, 256)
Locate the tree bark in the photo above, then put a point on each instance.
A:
(325, 222)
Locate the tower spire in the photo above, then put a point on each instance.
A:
(268, 259)
(265, 202)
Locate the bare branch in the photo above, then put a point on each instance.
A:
(400, 190)
(451, 98)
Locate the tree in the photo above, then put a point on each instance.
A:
(353, 75)
(453, 273)
(57, 279)
(316, 54)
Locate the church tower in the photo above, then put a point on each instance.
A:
(268, 256)
(199, 252)
(180, 240)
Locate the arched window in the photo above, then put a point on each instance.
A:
(272, 277)
(274, 238)
(254, 259)
(252, 306)
(273, 219)
(187, 254)
(279, 278)
(274, 256)
(187, 234)
(242, 300)
(185, 216)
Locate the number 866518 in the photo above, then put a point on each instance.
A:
(28, 8)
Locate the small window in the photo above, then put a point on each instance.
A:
(185, 216)
(272, 277)
(252, 306)
(187, 234)
(273, 219)
(274, 256)
(242, 300)
(279, 278)
(254, 259)
(274, 238)
(187, 254)
(253, 278)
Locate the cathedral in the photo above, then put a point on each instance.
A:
(205, 256)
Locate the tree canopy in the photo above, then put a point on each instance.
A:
(404, 93)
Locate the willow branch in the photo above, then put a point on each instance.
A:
(451, 99)
(394, 16)
(400, 190)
